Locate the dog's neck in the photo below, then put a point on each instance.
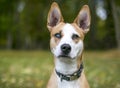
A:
(66, 66)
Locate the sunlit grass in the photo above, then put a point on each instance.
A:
(32, 69)
(102, 69)
(20, 69)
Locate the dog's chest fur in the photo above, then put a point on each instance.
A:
(69, 67)
(67, 46)
(68, 84)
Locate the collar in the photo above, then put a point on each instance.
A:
(71, 77)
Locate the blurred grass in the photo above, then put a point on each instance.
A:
(32, 69)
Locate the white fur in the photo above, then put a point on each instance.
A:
(65, 65)
(68, 30)
(68, 65)
(68, 84)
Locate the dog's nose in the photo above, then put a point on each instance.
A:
(66, 48)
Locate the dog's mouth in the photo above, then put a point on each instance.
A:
(64, 56)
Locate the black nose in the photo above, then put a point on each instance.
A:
(66, 48)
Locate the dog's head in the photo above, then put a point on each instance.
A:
(67, 39)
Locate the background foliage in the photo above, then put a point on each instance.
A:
(23, 23)
(23, 27)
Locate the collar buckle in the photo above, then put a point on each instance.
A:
(73, 77)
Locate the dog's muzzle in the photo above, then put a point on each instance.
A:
(65, 50)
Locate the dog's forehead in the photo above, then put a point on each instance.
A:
(66, 28)
(69, 29)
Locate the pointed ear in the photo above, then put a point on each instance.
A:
(54, 16)
(83, 19)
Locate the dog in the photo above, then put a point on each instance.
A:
(67, 46)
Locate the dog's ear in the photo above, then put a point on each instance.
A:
(54, 16)
(83, 19)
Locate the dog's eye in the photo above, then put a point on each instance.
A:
(58, 35)
(75, 36)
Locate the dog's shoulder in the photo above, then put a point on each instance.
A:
(52, 81)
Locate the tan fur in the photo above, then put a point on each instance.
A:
(54, 42)
(85, 8)
(53, 81)
(54, 5)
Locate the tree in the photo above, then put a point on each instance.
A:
(116, 21)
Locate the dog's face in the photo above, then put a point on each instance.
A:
(67, 39)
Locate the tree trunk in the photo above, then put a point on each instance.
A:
(93, 28)
(116, 22)
(27, 44)
(9, 40)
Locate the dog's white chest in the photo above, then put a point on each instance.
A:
(67, 67)
(68, 84)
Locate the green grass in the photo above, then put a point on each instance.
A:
(32, 69)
